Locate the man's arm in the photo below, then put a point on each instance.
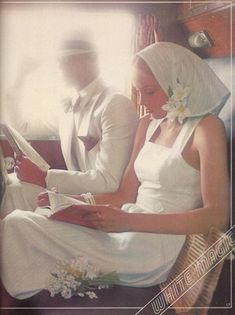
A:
(118, 124)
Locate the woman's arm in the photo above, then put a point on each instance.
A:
(210, 142)
(129, 185)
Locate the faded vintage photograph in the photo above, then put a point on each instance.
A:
(116, 148)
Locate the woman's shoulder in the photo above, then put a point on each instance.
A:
(210, 123)
(210, 127)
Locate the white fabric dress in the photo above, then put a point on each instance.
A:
(32, 244)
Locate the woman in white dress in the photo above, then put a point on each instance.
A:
(176, 184)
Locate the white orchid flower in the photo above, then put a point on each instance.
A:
(169, 106)
(183, 112)
(180, 92)
(180, 113)
(176, 106)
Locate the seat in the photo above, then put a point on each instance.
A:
(198, 258)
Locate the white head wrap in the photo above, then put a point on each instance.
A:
(171, 63)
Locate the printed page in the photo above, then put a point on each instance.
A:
(4, 175)
(20, 145)
(60, 201)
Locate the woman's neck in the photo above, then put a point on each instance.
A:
(166, 133)
(170, 125)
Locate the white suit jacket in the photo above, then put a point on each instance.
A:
(111, 120)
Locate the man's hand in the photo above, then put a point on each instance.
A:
(27, 171)
(43, 200)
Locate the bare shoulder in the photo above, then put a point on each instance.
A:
(210, 129)
(211, 124)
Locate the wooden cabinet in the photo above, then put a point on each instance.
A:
(194, 8)
(216, 18)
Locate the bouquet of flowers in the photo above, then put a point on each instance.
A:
(79, 277)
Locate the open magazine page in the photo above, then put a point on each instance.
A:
(20, 145)
(37, 243)
(58, 203)
(4, 175)
(4, 178)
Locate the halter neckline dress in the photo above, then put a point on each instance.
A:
(33, 244)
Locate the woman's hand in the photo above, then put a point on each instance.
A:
(105, 218)
(43, 199)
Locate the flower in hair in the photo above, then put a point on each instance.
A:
(176, 105)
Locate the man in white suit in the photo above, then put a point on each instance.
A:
(96, 131)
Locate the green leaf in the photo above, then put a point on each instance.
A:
(170, 91)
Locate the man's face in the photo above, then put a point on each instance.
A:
(73, 68)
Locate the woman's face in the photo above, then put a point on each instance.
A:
(149, 93)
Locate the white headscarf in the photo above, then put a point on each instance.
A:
(171, 64)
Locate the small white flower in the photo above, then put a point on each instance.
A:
(77, 276)
(66, 293)
(180, 92)
(170, 105)
(81, 294)
(179, 113)
(91, 295)
(183, 112)
(176, 106)
(92, 272)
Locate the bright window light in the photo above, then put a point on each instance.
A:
(30, 35)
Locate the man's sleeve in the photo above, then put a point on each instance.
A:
(118, 124)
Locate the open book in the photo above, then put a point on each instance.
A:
(59, 208)
(21, 146)
(4, 175)
(4, 178)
